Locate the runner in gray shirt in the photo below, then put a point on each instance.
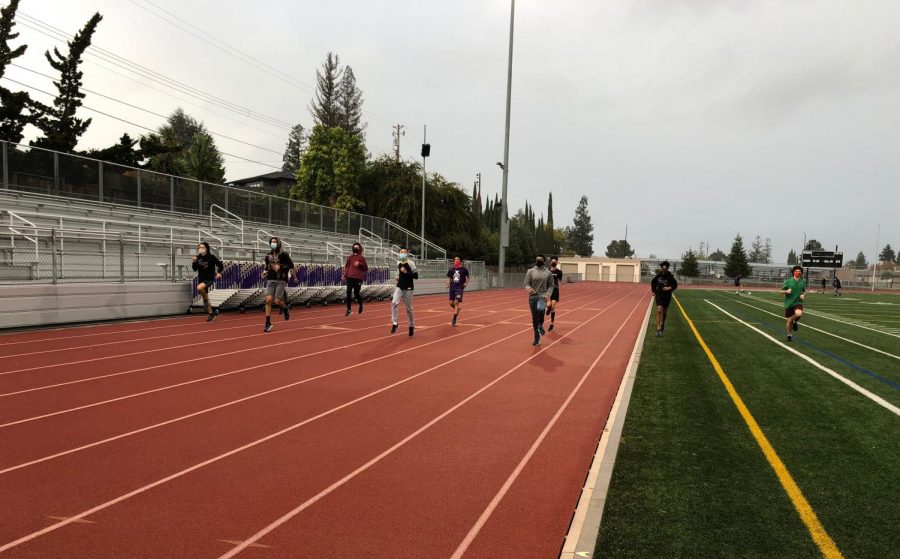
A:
(538, 282)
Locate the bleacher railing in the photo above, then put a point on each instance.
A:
(47, 172)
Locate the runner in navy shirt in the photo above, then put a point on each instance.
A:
(457, 280)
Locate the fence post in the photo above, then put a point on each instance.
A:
(270, 209)
(226, 198)
(200, 197)
(172, 249)
(289, 204)
(5, 167)
(56, 173)
(53, 255)
(122, 257)
(100, 181)
(172, 193)
(139, 189)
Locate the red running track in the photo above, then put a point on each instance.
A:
(327, 437)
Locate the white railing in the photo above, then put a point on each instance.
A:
(13, 218)
(262, 240)
(230, 223)
(374, 241)
(415, 236)
(221, 247)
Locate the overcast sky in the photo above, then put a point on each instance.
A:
(687, 120)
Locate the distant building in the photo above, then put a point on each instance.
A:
(277, 183)
(603, 269)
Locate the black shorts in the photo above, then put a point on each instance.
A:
(789, 312)
(554, 295)
(663, 301)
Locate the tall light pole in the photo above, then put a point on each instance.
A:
(426, 151)
(504, 224)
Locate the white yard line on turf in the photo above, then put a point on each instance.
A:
(504, 489)
(336, 485)
(870, 395)
(826, 317)
(271, 436)
(822, 331)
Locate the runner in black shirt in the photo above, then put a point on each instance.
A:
(663, 285)
(278, 265)
(554, 294)
(209, 269)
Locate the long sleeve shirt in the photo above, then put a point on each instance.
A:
(285, 265)
(356, 267)
(408, 273)
(207, 266)
(540, 280)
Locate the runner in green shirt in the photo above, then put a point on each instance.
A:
(794, 290)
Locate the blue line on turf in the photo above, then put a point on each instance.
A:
(818, 349)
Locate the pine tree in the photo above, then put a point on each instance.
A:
(202, 160)
(792, 258)
(887, 255)
(689, 267)
(580, 237)
(12, 104)
(350, 104)
(736, 262)
(59, 124)
(756, 250)
(294, 149)
(860, 261)
(767, 252)
(326, 108)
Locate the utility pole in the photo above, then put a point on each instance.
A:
(504, 223)
(426, 151)
(399, 130)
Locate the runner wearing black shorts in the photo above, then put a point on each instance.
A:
(794, 289)
(663, 285)
(554, 293)
(278, 265)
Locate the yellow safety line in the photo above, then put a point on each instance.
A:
(817, 531)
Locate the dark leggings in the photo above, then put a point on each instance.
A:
(353, 287)
(537, 316)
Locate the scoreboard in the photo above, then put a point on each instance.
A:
(821, 259)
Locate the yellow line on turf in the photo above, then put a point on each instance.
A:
(807, 515)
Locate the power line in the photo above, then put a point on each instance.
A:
(225, 47)
(147, 110)
(145, 72)
(129, 122)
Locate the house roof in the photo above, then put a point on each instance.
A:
(277, 175)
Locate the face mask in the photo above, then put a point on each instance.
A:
(553, 264)
(540, 263)
(202, 252)
(457, 264)
(403, 257)
(274, 246)
(355, 250)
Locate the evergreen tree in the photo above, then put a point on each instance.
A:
(12, 104)
(792, 258)
(580, 237)
(123, 152)
(860, 261)
(59, 124)
(182, 128)
(756, 250)
(718, 256)
(350, 103)
(294, 149)
(887, 255)
(326, 107)
(619, 249)
(767, 252)
(689, 267)
(331, 168)
(736, 262)
(813, 244)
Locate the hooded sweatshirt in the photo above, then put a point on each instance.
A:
(356, 267)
